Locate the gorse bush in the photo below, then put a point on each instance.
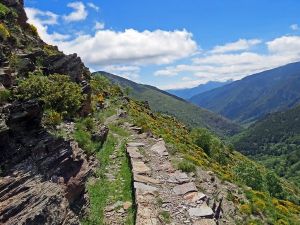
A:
(4, 33)
(186, 166)
(52, 118)
(33, 30)
(3, 10)
(4, 95)
(56, 91)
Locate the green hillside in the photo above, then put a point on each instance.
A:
(161, 101)
(275, 142)
(253, 97)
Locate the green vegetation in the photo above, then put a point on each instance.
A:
(4, 95)
(186, 166)
(165, 216)
(33, 30)
(161, 101)
(4, 33)
(104, 192)
(227, 164)
(56, 91)
(275, 142)
(253, 97)
(3, 10)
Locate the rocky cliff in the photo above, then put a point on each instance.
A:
(42, 177)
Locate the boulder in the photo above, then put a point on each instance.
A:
(100, 135)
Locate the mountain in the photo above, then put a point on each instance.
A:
(254, 96)
(161, 101)
(190, 92)
(275, 142)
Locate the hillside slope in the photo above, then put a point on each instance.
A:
(275, 142)
(253, 97)
(188, 93)
(161, 101)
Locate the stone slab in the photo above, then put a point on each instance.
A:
(135, 144)
(201, 211)
(139, 167)
(145, 179)
(205, 222)
(178, 178)
(142, 188)
(160, 148)
(133, 153)
(185, 188)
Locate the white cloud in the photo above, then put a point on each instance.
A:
(128, 72)
(93, 6)
(49, 18)
(239, 45)
(78, 14)
(222, 67)
(99, 26)
(132, 47)
(41, 19)
(285, 44)
(294, 26)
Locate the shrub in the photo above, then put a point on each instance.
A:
(52, 118)
(3, 10)
(246, 209)
(203, 138)
(249, 174)
(4, 33)
(33, 30)
(56, 91)
(4, 95)
(186, 166)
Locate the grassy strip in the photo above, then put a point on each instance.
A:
(102, 192)
(99, 191)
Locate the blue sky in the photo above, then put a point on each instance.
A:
(173, 43)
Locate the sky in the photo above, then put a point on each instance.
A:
(172, 44)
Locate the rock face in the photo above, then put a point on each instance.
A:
(24, 52)
(43, 177)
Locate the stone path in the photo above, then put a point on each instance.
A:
(163, 195)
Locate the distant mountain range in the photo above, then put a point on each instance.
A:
(161, 101)
(275, 142)
(187, 93)
(255, 96)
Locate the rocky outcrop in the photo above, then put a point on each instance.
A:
(43, 177)
(24, 52)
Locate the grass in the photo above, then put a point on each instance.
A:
(165, 216)
(118, 130)
(186, 166)
(104, 192)
(99, 191)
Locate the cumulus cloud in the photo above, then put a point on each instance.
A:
(222, 67)
(41, 19)
(239, 45)
(133, 47)
(128, 72)
(78, 14)
(99, 25)
(294, 26)
(93, 6)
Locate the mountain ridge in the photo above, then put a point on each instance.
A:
(256, 95)
(162, 101)
(187, 93)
